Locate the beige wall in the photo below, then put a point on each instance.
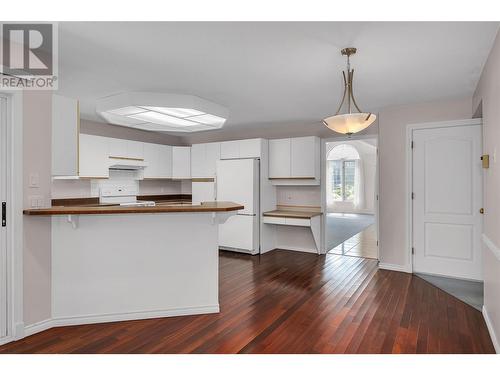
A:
(392, 159)
(37, 133)
(487, 96)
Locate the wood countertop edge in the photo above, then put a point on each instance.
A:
(108, 210)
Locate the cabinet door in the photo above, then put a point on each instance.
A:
(165, 161)
(181, 162)
(279, 158)
(93, 157)
(230, 150)
(117, 147)
(198, 160)
(65, 132)
(212, 153)
(152, 159)
(135, 150)
(250, 148)
(304, 154)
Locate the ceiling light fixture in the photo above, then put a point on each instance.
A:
(162, 112)
(349, 123)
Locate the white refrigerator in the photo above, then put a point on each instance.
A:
(238, 180)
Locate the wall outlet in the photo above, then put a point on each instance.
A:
(36, 201)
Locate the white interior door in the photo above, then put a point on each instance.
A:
(3, 231)
(447, 187)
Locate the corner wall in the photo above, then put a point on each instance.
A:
(487, 99)
(37, 158)
(392, 160)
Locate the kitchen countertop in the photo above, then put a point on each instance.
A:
(292, 213)
(161, 207)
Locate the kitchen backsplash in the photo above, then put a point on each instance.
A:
(90, 188)
(299, 195)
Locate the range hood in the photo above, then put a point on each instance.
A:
(127, 164)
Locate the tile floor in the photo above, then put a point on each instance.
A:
(362, 244)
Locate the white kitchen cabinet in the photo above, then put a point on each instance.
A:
(295, 159)
(124, 148)
(135, 149)
(94, 161)
(181, 162)
(304, 153)
(204, 157)
(279, 158)
(229, 150)
(241, 149)
(65, 136)
(158, 159)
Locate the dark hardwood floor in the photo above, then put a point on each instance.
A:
(289, 302)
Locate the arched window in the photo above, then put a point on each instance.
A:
(343, 164)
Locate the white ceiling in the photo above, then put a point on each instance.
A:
(278, 73)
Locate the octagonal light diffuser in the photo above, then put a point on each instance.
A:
(162, 112)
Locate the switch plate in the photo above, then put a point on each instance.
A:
(34, 180)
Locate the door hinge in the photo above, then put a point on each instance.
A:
(412, 195)
(412, 144)
(4, 214)
(412, 251)
(377, 242)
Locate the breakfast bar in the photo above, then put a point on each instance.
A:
(112, 263)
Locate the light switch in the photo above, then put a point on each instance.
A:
(34, 180)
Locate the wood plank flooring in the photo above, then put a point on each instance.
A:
(289, 302)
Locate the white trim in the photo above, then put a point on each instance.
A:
(31, 329)
(490, 245)
(324, 207)
(394, 267)
(297, 248)
(120, 317)
(409, 175)
(491, 330)
(15, 329)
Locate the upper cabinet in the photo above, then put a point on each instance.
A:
(158, 159)
(242, 149)
(94, 161)
(65, 133)
(294, 161)
(125, 149)
(181, 162)
(204, 158)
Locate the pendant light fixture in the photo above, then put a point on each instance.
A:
(348, 122)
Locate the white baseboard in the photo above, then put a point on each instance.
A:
(491, 330)
(490, 245)
(31, 329)
(393, 267)
(120, 317)
(301, 249)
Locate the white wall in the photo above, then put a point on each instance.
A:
(368, 155)
(298, 195)
(487, 99)
(392, 158)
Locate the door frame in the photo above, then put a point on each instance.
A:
(15, 324)
(360, 137)
(409, 173)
